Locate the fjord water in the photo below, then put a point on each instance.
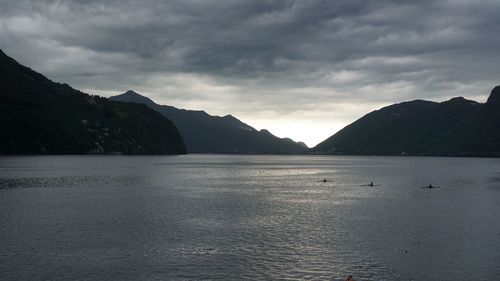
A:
(237, 217)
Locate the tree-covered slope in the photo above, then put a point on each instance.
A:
(38, 116)
(452, 128)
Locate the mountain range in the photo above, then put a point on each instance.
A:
(204, 133)
(39, 116)
(457, 127)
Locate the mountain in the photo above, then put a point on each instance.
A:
(457, 127)
(204, 133)
(486, 141)
(38, 116)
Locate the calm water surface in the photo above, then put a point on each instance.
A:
(215, 217)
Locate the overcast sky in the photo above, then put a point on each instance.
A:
(302, 69)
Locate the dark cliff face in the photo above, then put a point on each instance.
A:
(487, 137)
(494, 99)
(458, 127)
(204, 133)
(38, 116)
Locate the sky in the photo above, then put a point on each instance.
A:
(301, 69)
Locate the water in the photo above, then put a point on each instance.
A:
(209, 217)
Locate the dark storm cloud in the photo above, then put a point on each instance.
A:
(305, 60)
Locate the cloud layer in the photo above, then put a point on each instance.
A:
(302, 69)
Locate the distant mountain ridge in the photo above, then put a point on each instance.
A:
(39, 116)
(204, 133)
(457, 127)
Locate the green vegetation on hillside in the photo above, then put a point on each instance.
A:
(38, 116)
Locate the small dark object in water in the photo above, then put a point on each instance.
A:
(371, 184)
(430, 186)
(406, 251)
(324, 180)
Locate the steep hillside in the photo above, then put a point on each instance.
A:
(38, 116)
(457, 127)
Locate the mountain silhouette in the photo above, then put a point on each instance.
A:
(39, 116)
(204, 133)
(457, 127)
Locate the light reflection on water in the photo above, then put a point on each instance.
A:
(248, 217)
